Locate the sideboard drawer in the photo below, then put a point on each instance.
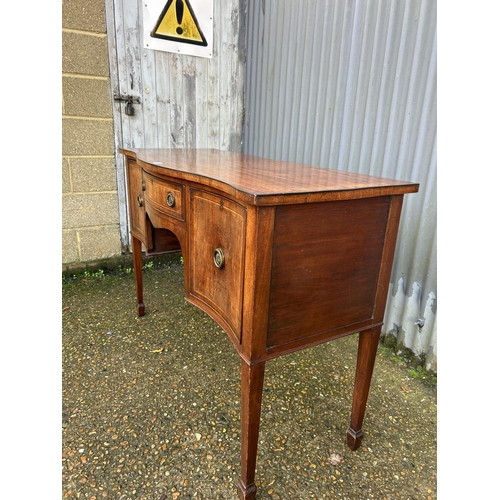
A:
(136, 200)
(165, 196)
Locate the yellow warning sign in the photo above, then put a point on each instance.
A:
(178, 23)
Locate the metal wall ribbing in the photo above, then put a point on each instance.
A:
(351, 85)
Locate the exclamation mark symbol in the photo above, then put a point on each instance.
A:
(179, 11)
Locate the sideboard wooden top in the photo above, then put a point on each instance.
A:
(261, 181)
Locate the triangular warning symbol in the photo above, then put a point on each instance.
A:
(178, 23)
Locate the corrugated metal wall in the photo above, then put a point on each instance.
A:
(351, 84)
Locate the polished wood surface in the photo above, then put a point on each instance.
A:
(282, 256)
(342, 243)
(261, 181)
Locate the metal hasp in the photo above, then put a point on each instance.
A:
(129, 107)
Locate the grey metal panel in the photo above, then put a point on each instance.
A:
(351, 84)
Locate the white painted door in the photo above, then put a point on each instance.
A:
(184, 100)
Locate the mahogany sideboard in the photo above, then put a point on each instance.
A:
(282, 256)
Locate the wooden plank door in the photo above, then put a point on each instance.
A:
(185, 101)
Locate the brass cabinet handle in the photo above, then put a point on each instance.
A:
(139, 200)
(219, 258)
(170, 199)
(143, 185)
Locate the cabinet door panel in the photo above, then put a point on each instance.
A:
(218, 225)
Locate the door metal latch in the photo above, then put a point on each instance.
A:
(129, 107)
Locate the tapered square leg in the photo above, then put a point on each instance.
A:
(367, 352)
(137, 260)
(252, 381)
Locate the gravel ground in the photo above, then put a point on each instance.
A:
(151, 407)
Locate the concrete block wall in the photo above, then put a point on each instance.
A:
(89, 188)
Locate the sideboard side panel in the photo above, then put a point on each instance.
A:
(136, 201)
(326, 266)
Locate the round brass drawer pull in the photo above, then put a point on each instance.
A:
(170, 199)
(139, 200)
(219, 258)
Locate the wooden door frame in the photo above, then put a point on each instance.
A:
(121, 178)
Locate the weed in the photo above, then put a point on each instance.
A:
(388, 352)
(397, 359)
(422, 374)
(94, 274)
(126, 270)
(389, 348)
